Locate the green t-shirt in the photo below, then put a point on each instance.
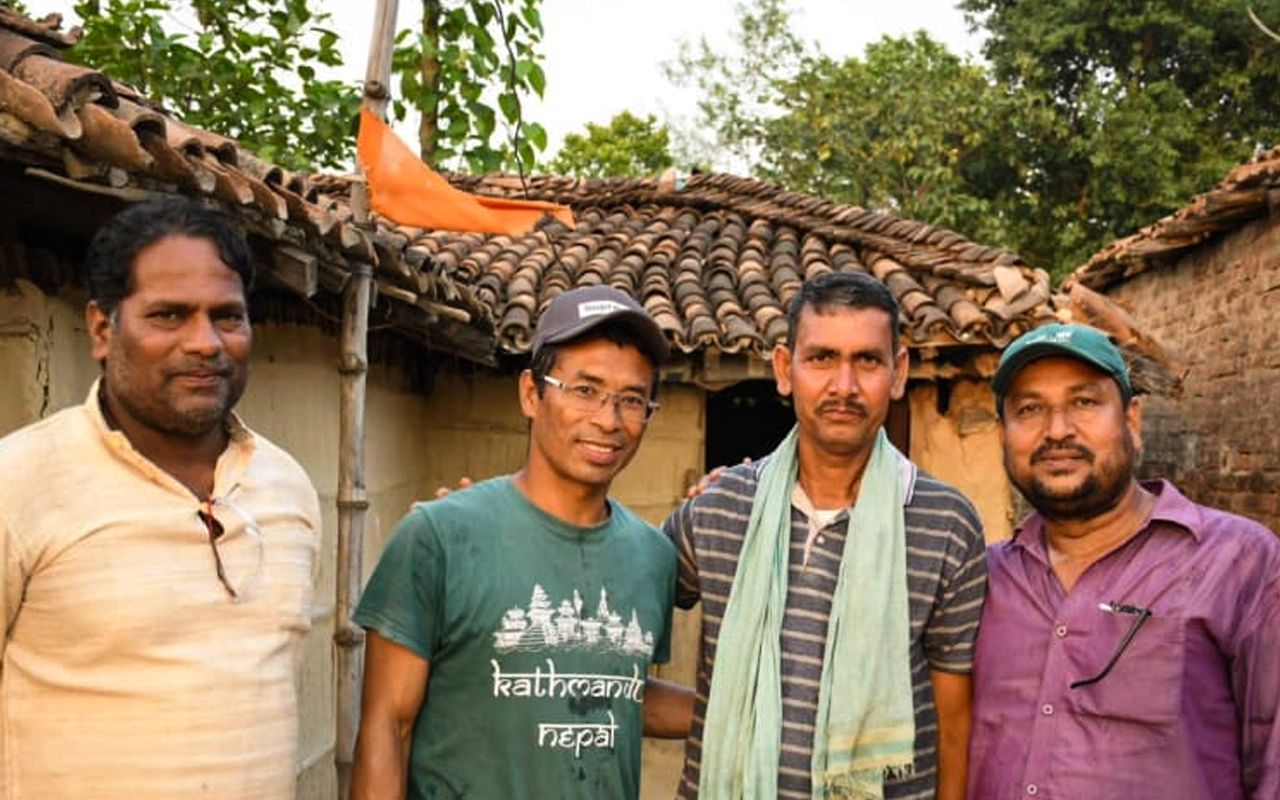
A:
(539, 635)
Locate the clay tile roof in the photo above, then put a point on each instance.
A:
(716, 258)
(1249, 191)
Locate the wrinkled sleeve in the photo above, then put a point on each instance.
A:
(679, 529)
(404, 598)
(14, 578)
(311, 510)
(952, 628)
(1255, 677)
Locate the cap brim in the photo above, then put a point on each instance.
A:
(638, 322)
(1009, 369)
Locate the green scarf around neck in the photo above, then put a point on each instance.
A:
(865, 729)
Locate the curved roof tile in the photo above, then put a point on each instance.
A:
(1250, 191)
(716, 259)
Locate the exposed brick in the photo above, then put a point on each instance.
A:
(1217, 310)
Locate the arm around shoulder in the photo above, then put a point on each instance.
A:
(668, 709)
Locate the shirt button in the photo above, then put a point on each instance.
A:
(1032, 789)
(1047, 709)
(1060, 631)
(822, 540)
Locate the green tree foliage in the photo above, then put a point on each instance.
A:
(1084, 127)
(739, 89)
(907, 129)
(244, 68)
(627, 146)
(467, 68)
(1125, 114)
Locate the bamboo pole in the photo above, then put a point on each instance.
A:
(352, 498)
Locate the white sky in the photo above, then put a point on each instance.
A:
(605, 56)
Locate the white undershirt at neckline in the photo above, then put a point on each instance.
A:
(818, 518)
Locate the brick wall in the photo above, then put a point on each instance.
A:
(1218, 310)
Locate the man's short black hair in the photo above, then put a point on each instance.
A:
(115, 247)
(619, 333)
(854, 290)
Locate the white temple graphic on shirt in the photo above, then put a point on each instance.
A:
(544, 625)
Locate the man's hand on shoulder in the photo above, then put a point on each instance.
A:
(463, 483)
(705, 481)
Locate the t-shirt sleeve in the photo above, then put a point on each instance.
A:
(678, 527)
(952, 629)
(403, 601)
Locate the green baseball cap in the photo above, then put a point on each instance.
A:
(1080, 342)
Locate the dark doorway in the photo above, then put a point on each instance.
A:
(748, 419)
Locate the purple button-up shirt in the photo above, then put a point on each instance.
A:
(1188, 712)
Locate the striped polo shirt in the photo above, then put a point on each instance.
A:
(946, 577)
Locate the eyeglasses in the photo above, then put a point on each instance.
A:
(632, 407)
(1140, 616)
(216, 541)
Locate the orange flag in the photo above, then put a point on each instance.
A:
(404, 189)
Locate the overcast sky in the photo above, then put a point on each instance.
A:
(604, 56)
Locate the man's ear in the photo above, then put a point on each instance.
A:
(782, 368)
(901, 366)
(528, 391)
(98, 322)
(1133, 421)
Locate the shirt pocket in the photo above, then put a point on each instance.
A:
(1141, 696)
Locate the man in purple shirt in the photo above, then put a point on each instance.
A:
(1130, 641)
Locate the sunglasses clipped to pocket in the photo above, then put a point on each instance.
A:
(1140, 616)
(238, 589)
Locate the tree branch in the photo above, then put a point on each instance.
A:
(1254, 18)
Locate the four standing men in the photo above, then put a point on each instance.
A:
(158, 559)
(158, 554)
(1130, 641)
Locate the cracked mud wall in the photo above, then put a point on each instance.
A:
(44, 354)
(954, 437)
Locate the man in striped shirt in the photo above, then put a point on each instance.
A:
(842, 367)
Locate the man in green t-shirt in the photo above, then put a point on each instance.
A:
(511, 625)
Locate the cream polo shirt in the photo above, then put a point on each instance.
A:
(128, 670)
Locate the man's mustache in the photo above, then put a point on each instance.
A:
(847, 404)
(221, 367)
(1056, 449)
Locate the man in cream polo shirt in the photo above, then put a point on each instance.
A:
(158, 555)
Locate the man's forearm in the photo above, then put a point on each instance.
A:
(668, 709)
(953, 767)
(953, 696)
(381, 762)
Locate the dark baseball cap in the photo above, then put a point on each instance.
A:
(580, 310)
(1080, 342)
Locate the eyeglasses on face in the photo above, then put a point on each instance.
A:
(1140, 616)
(216, 531)
(632, 407)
